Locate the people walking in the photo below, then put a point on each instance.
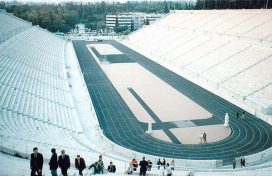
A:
(234, 163)
(96, 168)
(164, 162)
(201, 138)
(172, 164)
(168, 170)
(101, 164)
(243, 116)
(143, 167)
(111, 168)
(243, 162)
(159, 163)
(161, 170)
(64, 163)
(36, 162)
(80, 164)
(134, 164)
(237, 115)
(130, 169)
(53, 163)
(204, 137)
(149, 165)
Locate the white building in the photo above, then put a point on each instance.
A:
(81, 28)
(111, 21)
(133, 21)
(153, 17)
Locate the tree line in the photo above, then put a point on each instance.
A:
(63, 17)
(233, 4)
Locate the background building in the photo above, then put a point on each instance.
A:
(133, 21)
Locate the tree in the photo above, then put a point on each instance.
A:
(91, 26)
(231, 4)
(2, 5)
(166, 8)
(71, 18)
(64, 28)
(119, 29)
(61, 17)
(33, 17)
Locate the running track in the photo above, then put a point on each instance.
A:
(119, 124)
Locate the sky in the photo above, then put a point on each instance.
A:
(57, 1)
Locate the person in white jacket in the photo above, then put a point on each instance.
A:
(161, 170)
(168, 170)
(130, 169)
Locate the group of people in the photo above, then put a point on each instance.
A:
(242, 163)
(165, 167)
(63, 162)
(203, 137)
(144, 166)
(98, 167)
(239, 115)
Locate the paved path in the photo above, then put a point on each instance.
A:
(184, 123)
(166, 130)
(119, 124)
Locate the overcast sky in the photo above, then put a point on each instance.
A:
(56, 1)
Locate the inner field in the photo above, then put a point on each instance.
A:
(168, 104)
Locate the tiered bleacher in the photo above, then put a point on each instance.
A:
(225, 51)
(38, 76)
(33, 79)
(10, 25)
(36, 104)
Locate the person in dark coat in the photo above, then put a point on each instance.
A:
(204, 137)
(100, 164)
(159, 163)
(111, 168)
(237, 115)
(96, 168)
(64, 163)
(163, 162)
(80, 164)
(143, 167)
(234, 164)
(36, 162)
(53, 163)
(243, 162)
(149, 165)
